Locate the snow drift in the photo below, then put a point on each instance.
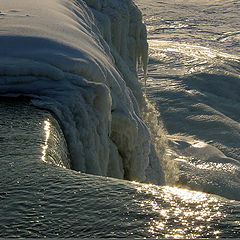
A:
(78, 59)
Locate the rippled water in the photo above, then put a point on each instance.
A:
(39, 199)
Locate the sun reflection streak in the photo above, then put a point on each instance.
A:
(196, 51)
(47, 126)
(180, 213)
(191, 58)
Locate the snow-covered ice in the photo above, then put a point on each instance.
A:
(79, 60)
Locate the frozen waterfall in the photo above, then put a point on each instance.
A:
(79, 60)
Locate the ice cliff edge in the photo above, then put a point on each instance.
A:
(78, 59)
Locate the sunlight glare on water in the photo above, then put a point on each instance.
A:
(180, 212)
(190, 58)
(189, 50)
(50, 146)
(47, 126)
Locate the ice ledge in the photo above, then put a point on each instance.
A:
(93, 89)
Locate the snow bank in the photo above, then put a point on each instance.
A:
(79, 60)
(205, 168)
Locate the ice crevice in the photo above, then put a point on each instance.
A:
(79, 60)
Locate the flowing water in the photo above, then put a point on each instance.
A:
(194, 83)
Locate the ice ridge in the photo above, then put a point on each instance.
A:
(79, 60)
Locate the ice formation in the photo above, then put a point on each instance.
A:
(79, 59)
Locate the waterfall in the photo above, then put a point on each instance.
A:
(87, 78)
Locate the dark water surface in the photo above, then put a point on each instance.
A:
(41, 197)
